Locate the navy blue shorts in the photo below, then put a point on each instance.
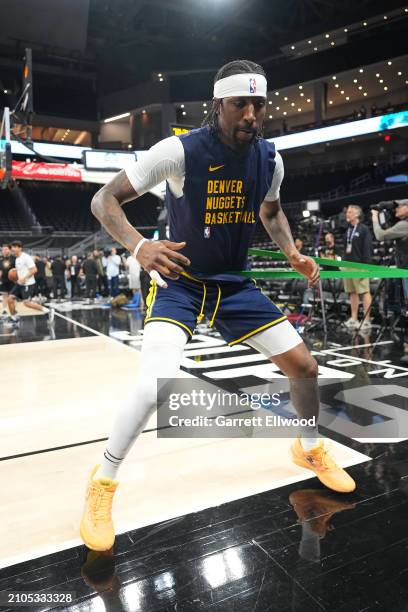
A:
(237, 310)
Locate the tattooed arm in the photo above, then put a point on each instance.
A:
(276, 224)
(106, 206)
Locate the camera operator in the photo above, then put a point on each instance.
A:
(384, 213)
(358, 248)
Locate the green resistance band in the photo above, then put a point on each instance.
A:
(271, 274)
(361, 270)
(320, 260)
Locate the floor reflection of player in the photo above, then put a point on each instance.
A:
(314, 509)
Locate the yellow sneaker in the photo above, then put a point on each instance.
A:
(97, 530)
(326, 469)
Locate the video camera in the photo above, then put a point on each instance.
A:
(386, 217)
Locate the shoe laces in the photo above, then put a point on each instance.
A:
(323, 457)
(100, 503)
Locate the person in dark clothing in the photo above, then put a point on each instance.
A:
(7, 262)
(330, 250)
(75, 269)
(358, 247)
(102, 278)
(90, 271)
(40, 276)
(58, 271)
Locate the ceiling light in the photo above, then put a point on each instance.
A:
(332, 43)
(342, 91)
(310, 42)
(327, 35)
(300, 86)
(399, 73)
(270, 116)
(360, 87)
(334, 78)
(299, 110)
(205, 112)
(337, 85)
(361, 70)
(308, 100)
(315, 48)
(160, 75)
(355, 80)
(292, 104)
(116, 117)
(285, 98)
(278, 107)
(285, 113)
(184, 113)
(270, 102)
(276, 93)
(330, 101)
(365, 93)
(381, 81)
(345, 29)
(385, 88)
(293, 47)
(389, 63)
(347, 98)
(365, 23)
(204, 103)
(377, 75)
(302, 94)
(181, 105)
(143, 112)
(161, 79)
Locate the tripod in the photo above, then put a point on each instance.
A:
(385, 324)
(323, 322)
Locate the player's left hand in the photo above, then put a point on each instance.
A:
(374, 215)
(306, 266)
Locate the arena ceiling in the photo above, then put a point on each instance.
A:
(89, 48)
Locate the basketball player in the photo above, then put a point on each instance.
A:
(220, 179)
(24, 289)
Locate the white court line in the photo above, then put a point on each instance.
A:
(349, 348)
(90, 329)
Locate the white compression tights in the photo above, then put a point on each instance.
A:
(162, 350)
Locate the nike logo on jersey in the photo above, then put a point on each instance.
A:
(213, 168)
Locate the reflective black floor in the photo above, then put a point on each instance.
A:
(298, 547)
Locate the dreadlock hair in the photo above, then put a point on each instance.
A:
(235, 67)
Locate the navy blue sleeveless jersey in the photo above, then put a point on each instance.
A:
(219, 208)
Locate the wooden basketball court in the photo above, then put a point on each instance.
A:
(58, 405)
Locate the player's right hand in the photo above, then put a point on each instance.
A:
(162, 256)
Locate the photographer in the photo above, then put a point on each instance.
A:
(398, 231)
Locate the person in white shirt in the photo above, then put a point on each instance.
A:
(112, 272)
(25, 286)
(134, 268)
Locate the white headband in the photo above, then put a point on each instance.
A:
(246, 84)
